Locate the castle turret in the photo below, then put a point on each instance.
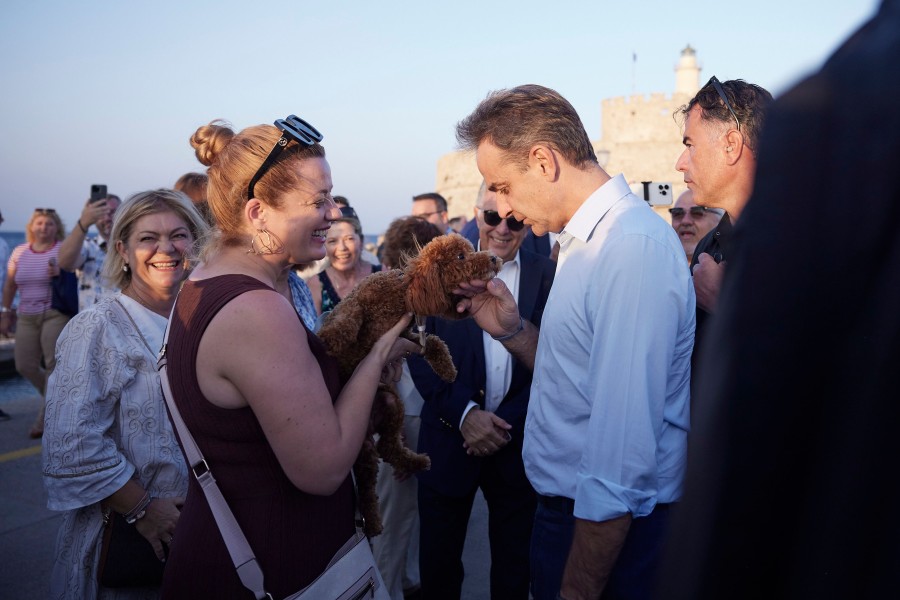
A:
(687, 73)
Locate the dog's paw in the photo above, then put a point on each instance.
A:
(411, 464)
(437, 355)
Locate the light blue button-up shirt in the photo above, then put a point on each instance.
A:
(610, 402)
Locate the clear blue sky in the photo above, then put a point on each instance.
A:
(110, 91)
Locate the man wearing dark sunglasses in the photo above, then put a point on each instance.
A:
(541, 245)
(692, 222)
(722, 123)
(473, 428)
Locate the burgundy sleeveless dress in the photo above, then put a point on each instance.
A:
(293, 534)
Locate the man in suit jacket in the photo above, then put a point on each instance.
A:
(537, 244)
(473, 428)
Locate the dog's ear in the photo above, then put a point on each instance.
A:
(424, 292)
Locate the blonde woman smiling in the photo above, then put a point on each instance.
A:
(345, 269)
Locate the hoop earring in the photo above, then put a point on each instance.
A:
(267, 241)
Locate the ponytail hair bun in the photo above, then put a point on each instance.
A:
(209, 140)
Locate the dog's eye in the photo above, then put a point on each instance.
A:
(461, 256)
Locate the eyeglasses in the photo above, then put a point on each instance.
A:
(45, 211)
(493, 218)
(293, 128)
(696, 211)
(721, 91)
(425, 215)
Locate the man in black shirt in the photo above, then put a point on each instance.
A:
(790, 486)
(722, 123)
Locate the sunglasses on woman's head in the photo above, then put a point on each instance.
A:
(348, 213)
(293, 128)
(493, 218)
(45, 211)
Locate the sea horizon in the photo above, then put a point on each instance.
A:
(13, 238)
(19, 237)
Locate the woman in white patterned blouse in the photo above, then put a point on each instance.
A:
(108, 443)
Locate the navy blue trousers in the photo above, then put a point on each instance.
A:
(636, 570)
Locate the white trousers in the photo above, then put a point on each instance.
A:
(398, 544)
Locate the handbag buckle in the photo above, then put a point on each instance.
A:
(200, 469)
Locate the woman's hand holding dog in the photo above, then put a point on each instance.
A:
(394, 350)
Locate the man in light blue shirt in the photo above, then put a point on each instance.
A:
(606, 433)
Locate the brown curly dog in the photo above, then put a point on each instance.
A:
(424, 287)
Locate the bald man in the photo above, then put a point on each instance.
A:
(692, 222)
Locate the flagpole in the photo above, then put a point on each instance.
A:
(633, 72)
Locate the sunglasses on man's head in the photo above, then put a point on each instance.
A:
(721, 91)
(696, 211)
(493, 218)
(292, 128)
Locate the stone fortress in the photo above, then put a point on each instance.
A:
(640, 138)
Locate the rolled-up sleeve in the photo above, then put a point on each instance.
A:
(81, 461)
(635, 308)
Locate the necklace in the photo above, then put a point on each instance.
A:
(343, 285)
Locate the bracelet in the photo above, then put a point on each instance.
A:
(140, 504)
(6, 309)
(139, 510)
(509, 336)
(81, 226)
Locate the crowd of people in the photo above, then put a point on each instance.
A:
(605, 338)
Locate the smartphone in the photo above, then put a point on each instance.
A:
(98, 192)
(658, 193)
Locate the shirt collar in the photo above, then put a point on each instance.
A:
(594, 208)
(151, 325)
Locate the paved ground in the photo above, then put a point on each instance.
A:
(28, 529)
